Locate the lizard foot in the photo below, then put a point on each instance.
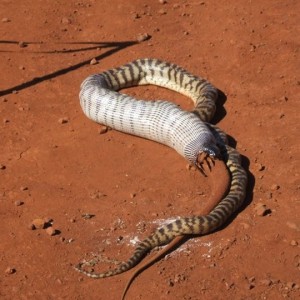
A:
(204, 159)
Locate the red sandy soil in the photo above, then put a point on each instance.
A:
(56, 165)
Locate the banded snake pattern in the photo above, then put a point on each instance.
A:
(189, 133)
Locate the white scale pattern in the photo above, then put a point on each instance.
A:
(160, 121)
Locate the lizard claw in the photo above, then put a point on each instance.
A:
(204, 159)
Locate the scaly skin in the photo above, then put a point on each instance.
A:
(219, 182)
(196, 225)
(99, 90)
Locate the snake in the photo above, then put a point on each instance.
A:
(187, 132)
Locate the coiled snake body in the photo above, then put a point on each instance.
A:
(164, 122)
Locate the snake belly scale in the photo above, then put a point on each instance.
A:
(164, 122)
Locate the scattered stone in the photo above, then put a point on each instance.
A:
(5, 121)
(10, 270)
(266, 282)
(284, 98)
(24, 188)
(51, 231)
(251, 286)
(2, 167)
(132, 195)
(63, 120)
(259, 167)
(62, 239)
(290, 285)
(143, 37)
(65, 20)
(31, 226)
(72, 220)
(5, 20)
(162, 12)
(245, 225)
(293, 243)
(136, 16)
(179, 278)
(97, 195)
(38, 223)
(170, 282)
(269, 195)
(275, 187)
(162, 1)
(22, 44)
(19, 203)
(103, 129)
(87, 216)
(262, 210)
(94, 61)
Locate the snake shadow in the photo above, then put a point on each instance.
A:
(117, 46)
(220, 109)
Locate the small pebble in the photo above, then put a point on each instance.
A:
(170, 282)
(51, 231)
(5, 20)
(38, 223)
(87, 216)
(293, 243)
(290, 285)
(262, 210)
(132, 195)
(143, 37)
(245, 225)
(162, 12)
(24, 188)
(251, 286)
(103, 129)
(93, 61)
(10, 270)
(275, 187)
(259, 167)
(284, 98)
(31, 226)
(65, 20)
(2, 167)
(162, 1)
(19, 203)
(22, 44)
(266, 282)
(63, 120)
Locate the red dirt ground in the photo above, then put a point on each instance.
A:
(248, 49)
